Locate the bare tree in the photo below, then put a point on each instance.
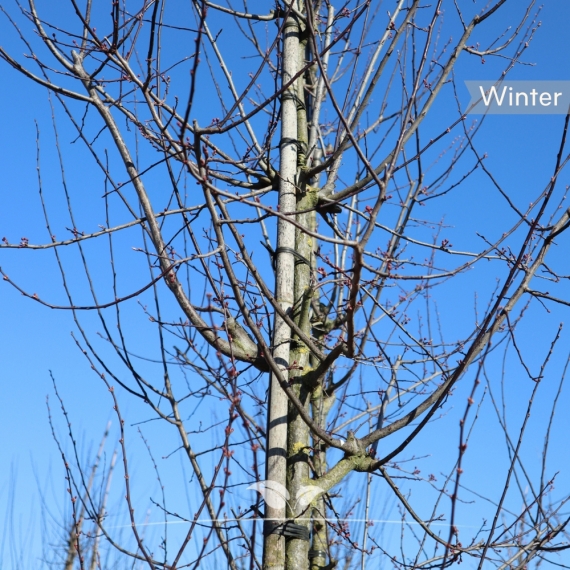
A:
(79, 539)
(333, 135)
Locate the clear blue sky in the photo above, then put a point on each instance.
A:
(35, 340)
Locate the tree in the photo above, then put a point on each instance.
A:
(333, 135)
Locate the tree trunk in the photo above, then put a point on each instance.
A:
(276, 466)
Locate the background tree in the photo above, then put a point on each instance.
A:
(335, 136)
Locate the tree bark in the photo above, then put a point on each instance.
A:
(276, 463)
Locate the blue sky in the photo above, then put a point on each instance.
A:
(36, 341)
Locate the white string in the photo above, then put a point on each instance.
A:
(331, 520)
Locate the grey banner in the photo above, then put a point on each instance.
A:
(519, 97)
